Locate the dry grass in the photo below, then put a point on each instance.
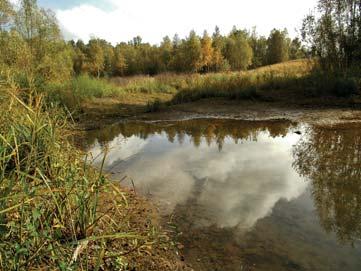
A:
(132, 95)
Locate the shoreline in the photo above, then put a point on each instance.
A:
(237, 110)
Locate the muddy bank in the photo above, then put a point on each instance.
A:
(241, 110)
(159, 252)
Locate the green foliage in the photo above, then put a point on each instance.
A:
(79, 89)
(278, 46)
(49, 197)
(238, 52)
(297, 50)
(333, 32)
(56, 211)
(32, 46)
(259, 47)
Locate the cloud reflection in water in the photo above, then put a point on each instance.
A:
(236, 186)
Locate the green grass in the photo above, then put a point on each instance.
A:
(84, 89)
(80, 89)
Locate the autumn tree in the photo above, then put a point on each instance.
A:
(219, 61)
(37, 32)
(15, 54)
(218, 39)
(207, 55)
(108, 52)
(95, 57)
(119, 63)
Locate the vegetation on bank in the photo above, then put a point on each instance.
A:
(288, 81)
(56, 211)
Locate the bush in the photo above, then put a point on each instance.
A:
(153, 106)
(345, 87)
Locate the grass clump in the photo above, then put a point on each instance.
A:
(154, 106)
(56, 212)
(79, 89)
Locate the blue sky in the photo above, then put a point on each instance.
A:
(121, 20)
(68, 4)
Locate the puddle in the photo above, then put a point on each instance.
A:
(247, 195)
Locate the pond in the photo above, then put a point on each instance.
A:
(246, 195)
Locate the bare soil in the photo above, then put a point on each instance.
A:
(241, 110)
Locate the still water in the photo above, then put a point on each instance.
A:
(262, 195)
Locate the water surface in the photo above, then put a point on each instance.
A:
(262, 195)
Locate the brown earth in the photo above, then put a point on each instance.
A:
(336, 111)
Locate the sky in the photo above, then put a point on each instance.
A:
(121, 20)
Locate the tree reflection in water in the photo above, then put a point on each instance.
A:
(212, 131)
(331, 159)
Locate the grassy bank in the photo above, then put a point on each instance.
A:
(56, 211)
(289, 82)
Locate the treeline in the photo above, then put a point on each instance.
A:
(31, 45)
(240, 50)
(31, 40)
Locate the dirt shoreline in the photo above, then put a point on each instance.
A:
(240, 110)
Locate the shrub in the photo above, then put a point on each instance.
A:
(345, 87)
(153, 106)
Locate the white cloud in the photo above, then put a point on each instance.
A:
(155, 19)
(16, 3)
